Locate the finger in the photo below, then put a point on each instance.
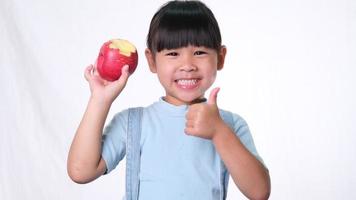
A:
(96, 63)
(189, 130)
(124, 75)
(95, 68)
(95, 72)
(213, 96)
(189, 124)
(190, 114)
(87, 72)
(194, 108)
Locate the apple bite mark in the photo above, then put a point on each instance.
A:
(124, 46)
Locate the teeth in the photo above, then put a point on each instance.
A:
(187, 82)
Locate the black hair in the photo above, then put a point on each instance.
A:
(181, 23)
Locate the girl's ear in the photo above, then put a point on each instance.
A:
(221, 57)
(151, 60)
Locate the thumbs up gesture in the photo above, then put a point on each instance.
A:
(203, 119)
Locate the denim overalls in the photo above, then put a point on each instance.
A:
(133, 154)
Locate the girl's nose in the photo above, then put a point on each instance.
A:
(188, 68)
(188, 65)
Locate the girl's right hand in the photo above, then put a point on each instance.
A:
(103, 90)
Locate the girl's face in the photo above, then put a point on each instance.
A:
(187, 72)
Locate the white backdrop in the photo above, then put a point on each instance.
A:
(290, 72)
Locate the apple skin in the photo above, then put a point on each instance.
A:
(110, 61)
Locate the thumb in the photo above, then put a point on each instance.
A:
(124, 75)
(213, 96)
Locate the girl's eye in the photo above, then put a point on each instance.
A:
(199, 53)
(172, 54)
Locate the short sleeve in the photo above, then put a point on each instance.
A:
(241, 129)
(114, 141)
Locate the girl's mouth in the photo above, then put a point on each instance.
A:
(187, 83)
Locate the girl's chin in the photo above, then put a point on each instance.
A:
(185, 100)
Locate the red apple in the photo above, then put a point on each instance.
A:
(113, 55)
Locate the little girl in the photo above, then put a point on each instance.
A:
(188, 146)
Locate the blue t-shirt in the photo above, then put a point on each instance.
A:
(174, 166)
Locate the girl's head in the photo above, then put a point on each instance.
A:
(181, 23)
(184, 49)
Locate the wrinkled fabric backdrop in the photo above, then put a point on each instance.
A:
(290, 72)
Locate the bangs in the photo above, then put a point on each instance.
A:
(182, 26)
(185, 36)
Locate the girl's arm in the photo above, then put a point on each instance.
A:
(85, 163)
(249, 175)
(84, 160)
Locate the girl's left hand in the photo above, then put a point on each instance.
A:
(203, 119)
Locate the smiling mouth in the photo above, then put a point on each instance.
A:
(187, 83)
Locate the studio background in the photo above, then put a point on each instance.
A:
(290, 72)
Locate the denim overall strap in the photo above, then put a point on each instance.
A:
(133, 153)
(224, 175)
